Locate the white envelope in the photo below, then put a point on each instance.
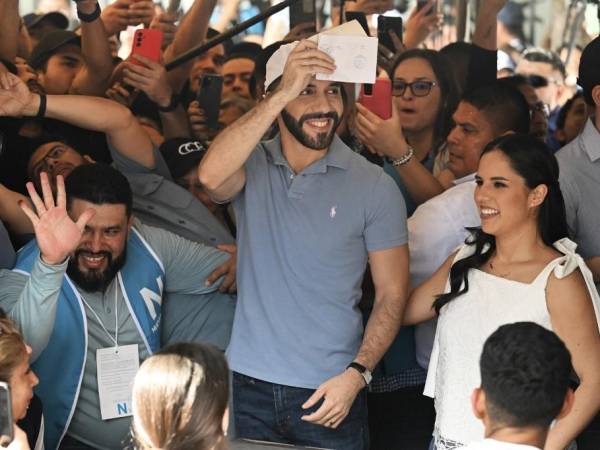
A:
(355, 58)
(277, 61)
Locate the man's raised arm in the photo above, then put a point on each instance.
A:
(94, 77)
(221, 171)
(93, 113)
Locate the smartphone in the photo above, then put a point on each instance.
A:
(303, 11)
(386, 24)
(209, 98)
(6, 420)
(421, 4)
(377, 97)
(146, 42)
(360, 17)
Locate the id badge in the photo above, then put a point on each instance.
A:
(117, 367)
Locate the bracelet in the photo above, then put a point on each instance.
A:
(89, 17)
(173, 103)
(403, 159)
(42, 109)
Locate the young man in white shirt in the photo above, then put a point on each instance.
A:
(525, 371)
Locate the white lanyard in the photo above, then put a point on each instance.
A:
(116, 338)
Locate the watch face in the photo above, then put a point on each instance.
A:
(367, 376)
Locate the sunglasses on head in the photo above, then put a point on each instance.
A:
(420, 88)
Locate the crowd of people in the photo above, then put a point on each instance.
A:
(280, 263)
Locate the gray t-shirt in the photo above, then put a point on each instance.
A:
(31, 302)
(7, 253)
(159, 202)
(579, 163)
(303, 243)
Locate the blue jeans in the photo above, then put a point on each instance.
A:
(272, 412)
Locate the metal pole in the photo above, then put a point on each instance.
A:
(196, 51)
(575, 28)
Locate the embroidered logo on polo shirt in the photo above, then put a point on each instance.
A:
(333, 212)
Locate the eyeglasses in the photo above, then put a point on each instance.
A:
(538, 81)
(542, 107)
(420, 88)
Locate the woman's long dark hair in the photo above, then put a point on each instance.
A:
(533, 161)
(448, 90)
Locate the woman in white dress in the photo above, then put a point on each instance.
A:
(519, 266)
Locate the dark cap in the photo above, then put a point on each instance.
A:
(511, 15)
(50, 44)
(248, 50)
(57, 19)
(182, 155)
(589, 69)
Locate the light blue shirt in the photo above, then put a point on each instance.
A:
(303, 243)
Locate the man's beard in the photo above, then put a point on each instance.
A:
(322, 141)
(94, 280)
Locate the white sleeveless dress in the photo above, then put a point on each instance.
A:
(466, 322)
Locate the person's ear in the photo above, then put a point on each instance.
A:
(567, 404)
(537, 195)
(478, 403)
(596, 95)
(225, 421)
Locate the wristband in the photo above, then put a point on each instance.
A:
(174, 103)
(42, 109)
(403, 159)
(89, 17)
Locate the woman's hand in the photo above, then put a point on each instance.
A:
(383, 137)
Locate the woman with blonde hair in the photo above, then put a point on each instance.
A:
(180, 399)
(15, 371)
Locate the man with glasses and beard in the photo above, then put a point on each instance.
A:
(310, 214)
(88, 288)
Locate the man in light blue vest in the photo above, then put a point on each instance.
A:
(157, 200)
(87, 295)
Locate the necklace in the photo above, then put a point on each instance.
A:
(501, 275)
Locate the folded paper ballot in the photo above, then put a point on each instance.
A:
(358, 44)
(355, 58)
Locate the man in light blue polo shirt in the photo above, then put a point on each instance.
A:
(310, 214)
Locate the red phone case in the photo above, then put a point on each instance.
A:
(146, 42)
(380, 100)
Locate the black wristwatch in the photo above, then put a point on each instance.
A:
(364, 372)
(91, 16)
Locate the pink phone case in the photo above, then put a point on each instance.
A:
(380, 100)
(146, 42)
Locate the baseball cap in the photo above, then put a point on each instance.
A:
(182, 155)
(59, 20)
(248, 50)
(512, 15)
(589, 68)
(50, 44)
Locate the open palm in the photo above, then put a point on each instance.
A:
(14, 96)
(56, 233)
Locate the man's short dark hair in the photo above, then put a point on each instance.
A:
(504, 106)
(99, 184)
(545, 56)
(589, 70)
(525, 372)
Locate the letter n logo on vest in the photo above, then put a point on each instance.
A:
(150, 297)
(122, 408)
